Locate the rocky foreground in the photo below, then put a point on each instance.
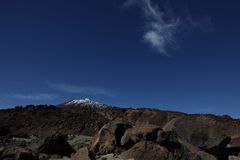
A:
(85, 130)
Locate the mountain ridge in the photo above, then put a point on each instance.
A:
(125, 132)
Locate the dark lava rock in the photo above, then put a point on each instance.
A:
(4, 131)
(169, 140)
(56, 144)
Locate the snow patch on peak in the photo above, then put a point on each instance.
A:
(81, 101)
(76, 101)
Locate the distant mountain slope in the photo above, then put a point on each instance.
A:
(87, 117)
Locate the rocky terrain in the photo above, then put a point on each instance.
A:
(88, 130)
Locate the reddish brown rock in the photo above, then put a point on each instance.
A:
(148, 151)
(139, 133)
(153, 151)
(109, 137)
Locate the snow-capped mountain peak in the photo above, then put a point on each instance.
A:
(85, 101)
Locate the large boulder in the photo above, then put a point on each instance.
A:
(202, 132)
(199, 131)
(147, 150)
(56, 144)
(153, 151)
(188, 151)
(139, 133)
(83, 154)
(109, 137)
(167, 143)
(180, 149)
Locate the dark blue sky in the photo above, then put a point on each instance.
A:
(53, 51)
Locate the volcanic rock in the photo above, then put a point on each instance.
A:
(199, 131)
(147, 150)
(139, 133)
(109, 137)
(56, 144)
(119, 131)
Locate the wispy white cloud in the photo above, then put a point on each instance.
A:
(76, 89)
(37, 97)
(162, 25)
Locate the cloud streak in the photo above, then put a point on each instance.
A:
(162, 25)
(36, 97)
(75, 89)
